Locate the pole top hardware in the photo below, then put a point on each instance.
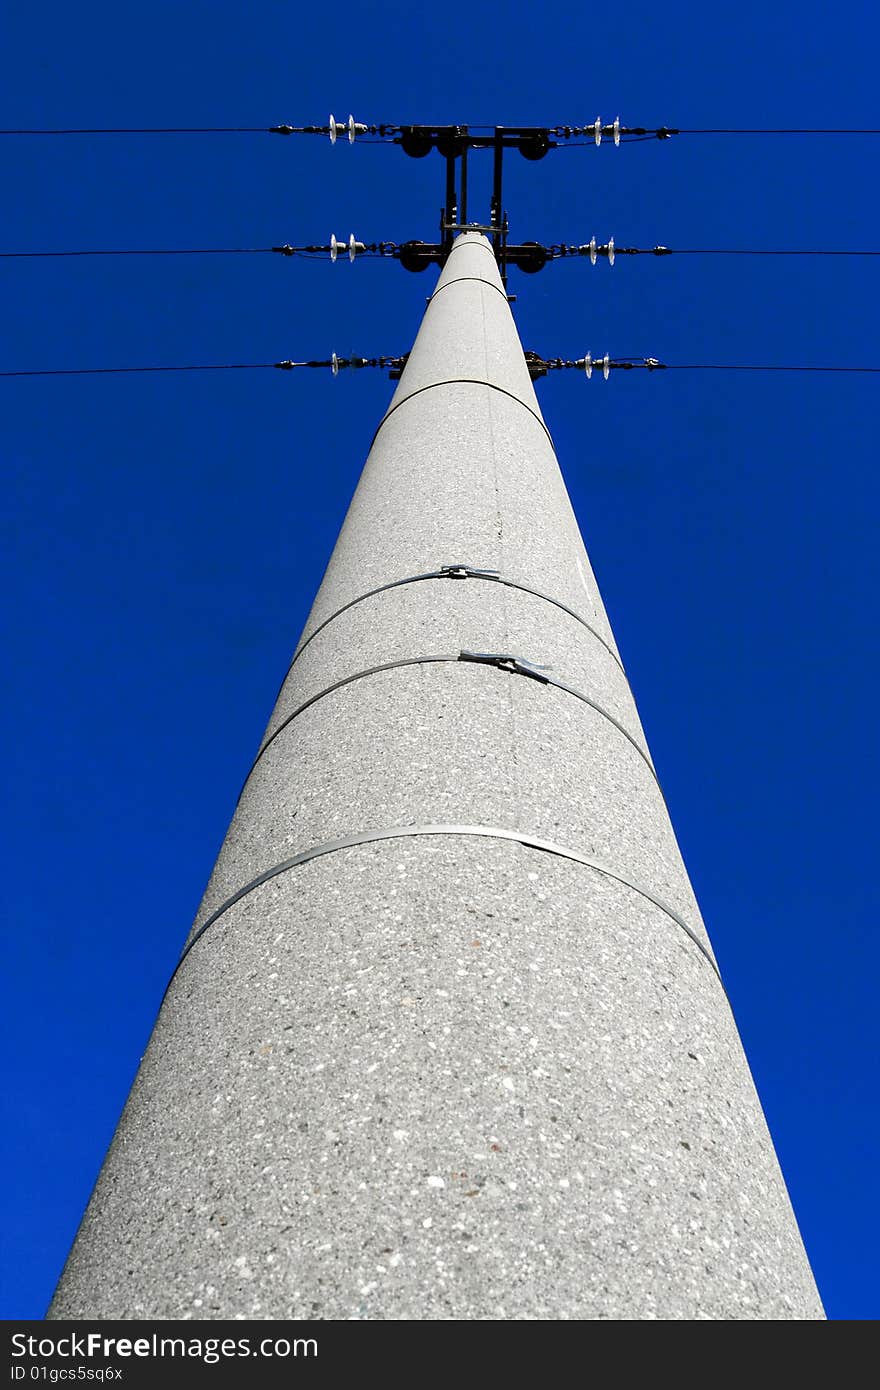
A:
(608, 364)
(351, 127)
(597, 131)
(337, 364)
(539, 366)
(450, 141)
(594, 250)
(528, 256)
(454, 144)
(353, 247)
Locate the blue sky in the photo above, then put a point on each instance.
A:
(163, 537)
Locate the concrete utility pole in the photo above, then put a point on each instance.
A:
(474, 1061)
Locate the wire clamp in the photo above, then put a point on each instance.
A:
(465, 572)
(505, 661)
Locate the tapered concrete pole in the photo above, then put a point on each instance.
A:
(482, 1067)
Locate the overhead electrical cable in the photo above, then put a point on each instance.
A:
(610, 251)
(337, 364)
(333, 249)
(149, 130)
(819, 130)
(568, 136)
(390, 249)
(605, 365)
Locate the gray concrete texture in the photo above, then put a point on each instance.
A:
(448, 1077)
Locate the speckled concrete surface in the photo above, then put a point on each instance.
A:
(447, 1078)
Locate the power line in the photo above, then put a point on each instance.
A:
(633, 135)
(610, 251)
(605, 365)
(389, 249)
(334, 248)
(116, 371)
(387, 133)
(152, 130)
(752, 367)
(337, 364)
(780, 131)
(175, 251)
(349, 129)
(725, 251)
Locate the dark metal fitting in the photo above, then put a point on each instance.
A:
(418, 255)
(505, 661)
(535, 146)
(416, 141)
(284, 250)
(396, 366)
(536, 365)
(464, 572)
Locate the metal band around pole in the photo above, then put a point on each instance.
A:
(455, 572)
(461, 381)
(366, 837)
(463, 279)
(514, 665)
